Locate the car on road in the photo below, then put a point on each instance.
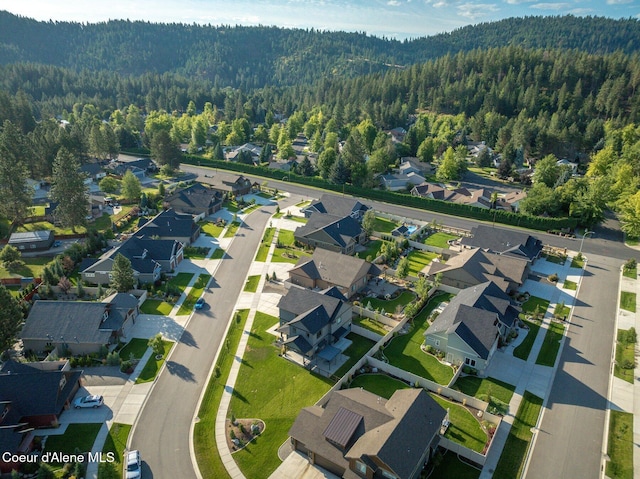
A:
(88, 401)
(199, 303)
(57, 243)
(132, 465)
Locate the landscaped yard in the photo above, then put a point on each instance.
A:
(482, 388)
(272, 389)
(389, 305)
(440, 239)
(534, 304)
(206, 451)
(625, 355)
(568, 284)
(153, 365)
(630, 272)
(195, 292)
(384, 225)
(577, 263)
(620, 446)
(371, 324)
(251, 286)
(405, 352)
(359, 347)
(135, 348)
(218, 253)
(551, 345)
(285, 252)
(418, 260)
(115, 443)
(156, 306)
(232, 229)
(211, 229)
(555, 258)
(263, 251)
(628, 301)
(512, 459)
(523, 350)
(372, 251)
(77, 437)
(32, 268)
(181, 280)
(379, 384)
(453, 468)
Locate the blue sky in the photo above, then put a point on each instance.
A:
(392, 18)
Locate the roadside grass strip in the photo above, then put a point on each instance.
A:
(251, 286)
(551, 345)
(440, 239)
(273, 389)
(515, 449)
(620, 446)
(571, 285)
(263, 251)
(625, 355)
(405, 352)
(630, 273)
(232, 229)
(218, 253)
(196, 291)
(523, 350)
(153, 364)
(115, 443)
(628, 301)
(204, 437)
(76, 438)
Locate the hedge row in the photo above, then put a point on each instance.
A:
(438, 206)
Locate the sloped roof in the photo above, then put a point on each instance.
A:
(332, 267)
(195, 196)
(337, 205)
(312, 320)
(168, 224)
(341, 230)
(504, 241)
(299, 300)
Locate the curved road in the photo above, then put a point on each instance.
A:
(161, 432)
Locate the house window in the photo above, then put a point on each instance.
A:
(319, 334)
(470, 362)
(361, 467)
(90, 275)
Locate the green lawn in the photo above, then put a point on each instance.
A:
(232, 207)
(630, 272)
(32, 268)
(440, 239)
(273, 389)
(77, 437)
(628, 301)
(136, 347)
(529, 306)
(625, 356)
(359, 347)
(37, 210)
(561, 310)
(218, 253)
(181, 280)
(554, 258)
(551, 345)
(286, 237)
(288, 255)
(405, 353)
(453, 468)
(379, 384)
(156, 306)
(577, 263)
(389, 305)
(418, 260)
(263, 251)
(371, 325)
(298, 219)
(302, 204)
(211, 229)
(115, 443)
(194, 252)
(153, 365)
(232, 229)
(620, 446)
(373, 250)
(205, 448)
(629, 241)
(384, 225)
(251, 286)
(482, 388)
(523, 350)
(568, 284)
(464, 428)
(196, 291)
(512, 459)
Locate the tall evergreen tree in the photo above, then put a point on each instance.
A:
(69, 190)
(15, 192)
(10, 318)
(122, 277)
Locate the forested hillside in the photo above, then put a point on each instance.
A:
(252, 57)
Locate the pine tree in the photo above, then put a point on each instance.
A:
(69, 190)
(10, 318)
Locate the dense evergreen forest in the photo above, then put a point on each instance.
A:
(253, 57)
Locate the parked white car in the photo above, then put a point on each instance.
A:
(88, 401)
(132, 465)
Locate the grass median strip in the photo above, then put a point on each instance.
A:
(263, 251)
(154, 363)
(196, 291)
(115, 443)
(620, 446)
(628, 301)
(251, 286)
(523, 350)
(551, 345)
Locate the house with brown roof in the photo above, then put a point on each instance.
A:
(326, 269)
(197, 200)
(239, 187)
(474, 266)
(355, 434)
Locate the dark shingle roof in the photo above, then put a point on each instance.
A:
(341, 230)
(337, 205)
(169, 224)
(298, 301)
(313, 320)
(332, 267)
(504, 241)
(195, 196)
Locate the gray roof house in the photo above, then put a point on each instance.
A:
(504, 241)
(197, 200)
(32, 395)
(474, 266)
(82, 327)
(401, 181)
(238, 187)
(336, 233)
(356, 434)
(337, 206)
(312, 323)
(32, 240)
(327, 268)
(170, 225)
(468, 329)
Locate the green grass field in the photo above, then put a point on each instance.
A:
(232, 229)
(211, 229)
(32, 268)
(194, 293)
(625, 356)
(156, 306)
(384, 225)
(359, 347)
(523, 350)
(115, 443)
(371, 325)
(136, 348)
(181, 280)
(378, 384)
(77, 437)
(390, 305)
(453, 468)
(620, 446)
(153, 365)
(440, 239)
(418, 260)
(529, 306)
(251, 286)
(372, 251)
(568, 284)
(482, 388)
(630, 273)
(263, 250)
(628, 301)
(551, 345)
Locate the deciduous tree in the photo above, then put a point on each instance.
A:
(122, 277)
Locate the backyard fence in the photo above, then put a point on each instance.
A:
(365, 333)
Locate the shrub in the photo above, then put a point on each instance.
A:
(553, 277)
(125, 366)
(630, 264)
(113, 359)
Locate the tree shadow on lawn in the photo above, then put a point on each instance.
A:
(243, 361)
(238, 395)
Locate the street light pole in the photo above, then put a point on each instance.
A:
(582, 240)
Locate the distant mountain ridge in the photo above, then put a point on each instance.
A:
(253, 57)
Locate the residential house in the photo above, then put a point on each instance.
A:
(398, 134)
(239, 187)
(512, 200)
(170, 225)
(326, 269)
(353, 433)
(32, 395)
(474, 266)
(400, 181)
(93, 171)
(411, 164)
(470, 327)
(254, 150)
(197, 200)
(313, 323)
(504, 241)
(331, 232)
(32, 240)
(337, 206)
(81, 327)
(286, 166)
(474, 197)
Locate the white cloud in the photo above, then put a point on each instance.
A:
(551, 6)
(473, 11)
(581, 11)
(440, 3)
(618, 2)
(394, 3)
(517, 2)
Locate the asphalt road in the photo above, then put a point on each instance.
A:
(569, 443)
(162, 430)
